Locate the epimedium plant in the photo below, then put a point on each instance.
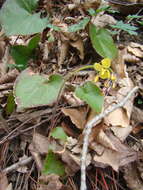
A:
(19, 17)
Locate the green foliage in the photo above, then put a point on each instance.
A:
(10, 105)
(140, 101)
(33, 90)
(80, 26)
(93, 12)
(92, 95)
(102, 42)
(22, 54)
(134, 16)
(17, 19)
(58, 133)
(125, 27)
(56, 28)
(53, 165)
(141, 23)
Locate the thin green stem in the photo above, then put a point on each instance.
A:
(77, 70)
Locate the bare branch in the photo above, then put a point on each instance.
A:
(87, 132)
(17, 165)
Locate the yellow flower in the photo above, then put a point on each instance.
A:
(103, 68)
(113, 77)
(106, 63)
(96, 78)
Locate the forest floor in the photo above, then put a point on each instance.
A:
(42, 121)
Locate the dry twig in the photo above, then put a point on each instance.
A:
(17, 165)
(87, 132)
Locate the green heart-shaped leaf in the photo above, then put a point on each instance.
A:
(17, 18)
(58, 133)
(33, 90)
(102, 42)
(53, 165)
(92, 95)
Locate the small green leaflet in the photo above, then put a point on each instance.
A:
(102, 42)
(93, 12)
(126, 27)
(58, 133)
(92, 95)
(52, 165)
(141, 23)
(140, 101)
(134, 16)
(22, 54)
(80, 26)
(10, 105)
(17, 18)
(32, 90)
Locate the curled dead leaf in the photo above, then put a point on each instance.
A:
(115, 159)
(77, 116)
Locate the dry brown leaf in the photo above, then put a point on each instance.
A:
(9, 187)
(98, 136)
(71, 99)
(102, 20)
(70, 131)
(3, 181)
(9, 77)
(64, 46)
(121, 116)
(122, 133)
(77, 116)
(115, 159)
(2, 48)
(87, 3)
(137, 115)
(132, 178)
(105, 141)
(40, 143)
(135, 49)
(117, 118)
(49, 182)
(98, 148)
(78, 44)
(131, 58)
(118, 64)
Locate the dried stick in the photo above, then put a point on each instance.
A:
(17, 165)
(87, 132)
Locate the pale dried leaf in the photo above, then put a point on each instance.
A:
(91, 4)
(115, 159)
(118, 64)
(132, 178)
(72, 100)
(48, 182)
(137, 115)
(71, 163)
(77, 116)
(40, 143)
(63, 47)
(3, 181)
(103, 20)
(9, 187)
(135, 49)
(122, 133)
(104, 140)
(131, 58)
(98, 148)
(117, 118)
(79, 46)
